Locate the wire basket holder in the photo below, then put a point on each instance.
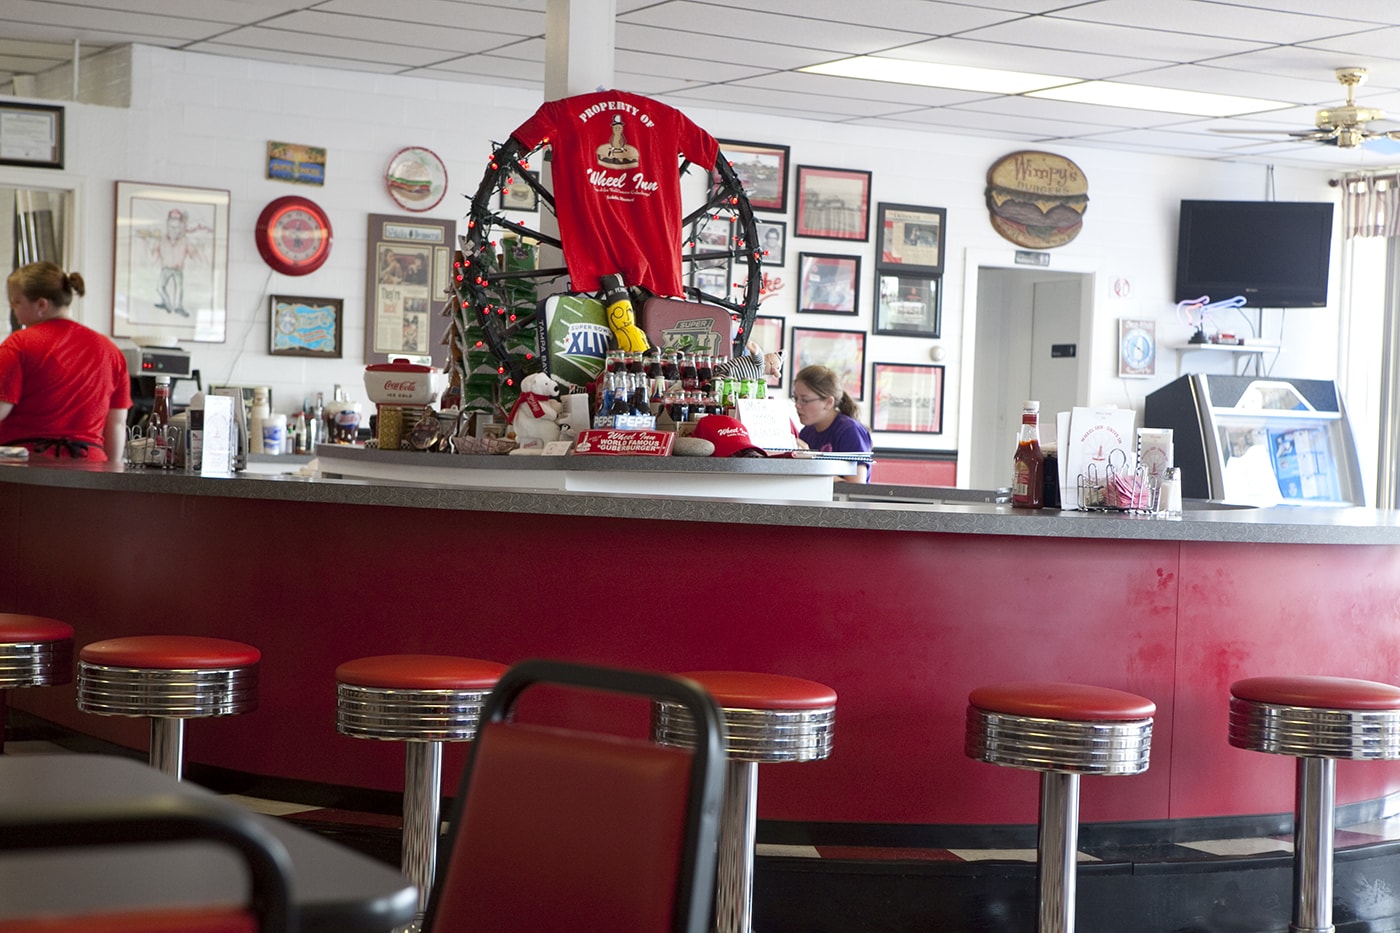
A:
(1118, 488)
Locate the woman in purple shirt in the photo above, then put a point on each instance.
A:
(826, 413)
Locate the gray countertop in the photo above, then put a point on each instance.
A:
(949, 511)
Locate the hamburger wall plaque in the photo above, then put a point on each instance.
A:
(416, 179)
(1037, 199)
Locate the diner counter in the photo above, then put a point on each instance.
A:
(901, 607)
(884, 508)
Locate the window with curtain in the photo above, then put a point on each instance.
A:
(1371, 258)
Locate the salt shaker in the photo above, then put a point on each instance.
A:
(1169, 495)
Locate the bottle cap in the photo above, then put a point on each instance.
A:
(1031, 405)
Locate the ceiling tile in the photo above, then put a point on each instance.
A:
(1049, 32)
(1197, 18)
(769, 28)
(82, 21)
(310, 58)
(926, 17)
(715, 47)
(373, 54)
(782, 100)
(1370, 11)
(741, 55)
(329, 25)
(979, 53)
(522, 18)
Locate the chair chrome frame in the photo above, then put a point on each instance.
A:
(699, 853)
(162, 819)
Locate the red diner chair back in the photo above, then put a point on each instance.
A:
(155, 821)
(556, 830)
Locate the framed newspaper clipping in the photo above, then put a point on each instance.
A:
(409, 261)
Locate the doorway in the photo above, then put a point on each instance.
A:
(37, 222)
(1031, 339)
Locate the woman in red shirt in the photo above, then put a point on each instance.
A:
(64, 388)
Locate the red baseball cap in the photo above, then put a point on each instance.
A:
(730, 437)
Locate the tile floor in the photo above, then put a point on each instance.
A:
(377, 834)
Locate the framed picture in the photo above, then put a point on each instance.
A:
(832, 203)
(910, 238)
(767, 332)
(828, 284)
(906, 398)
(170, 275)
(1137, 348)
(907, 305)
(32, 135)
(711, 276)
(772, 239)
(407, 267)
(519, 196)
(841, 351)
(305, 326)
(763, 170)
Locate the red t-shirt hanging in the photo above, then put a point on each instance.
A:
(616, 187)
(62, 378)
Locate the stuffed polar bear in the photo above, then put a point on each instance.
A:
(535, 415)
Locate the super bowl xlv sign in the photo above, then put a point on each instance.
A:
(1037, 199)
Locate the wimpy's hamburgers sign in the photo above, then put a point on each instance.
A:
(1037, 199)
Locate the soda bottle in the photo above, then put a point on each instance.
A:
(620, 395)
(316, 424)
(641, 398)
(705, 371)
(1028, 487)
(160, 454)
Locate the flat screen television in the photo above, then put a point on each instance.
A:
(1274, 253)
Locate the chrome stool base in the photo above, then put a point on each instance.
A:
(182, 679)
(34, 652)
(796, 723)
(387, 698)
(1318, 720)
(1063, 731)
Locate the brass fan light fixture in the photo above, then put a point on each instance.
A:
(1344, 126)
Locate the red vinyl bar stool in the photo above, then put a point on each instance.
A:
(168, 678)
(34, 652)
(768, 718)
(1317, 720)
(1062, 731)
(424, 700)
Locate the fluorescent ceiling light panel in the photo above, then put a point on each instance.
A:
(931, 74)
(1164, 100)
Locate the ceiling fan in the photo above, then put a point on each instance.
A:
(1344, 126)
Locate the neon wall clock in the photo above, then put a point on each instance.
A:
(294, 235)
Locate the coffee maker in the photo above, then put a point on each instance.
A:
(143, 364)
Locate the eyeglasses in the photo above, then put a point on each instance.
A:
(799, 400)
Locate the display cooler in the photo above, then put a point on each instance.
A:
(1259, 441)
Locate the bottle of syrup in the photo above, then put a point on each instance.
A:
(1028, 486)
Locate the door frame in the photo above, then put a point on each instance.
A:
(974, 260)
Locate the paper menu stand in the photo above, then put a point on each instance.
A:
(1094, 439)
(768, 421)
(217, 458)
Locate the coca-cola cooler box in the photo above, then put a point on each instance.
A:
(402, 383)
(687, 325)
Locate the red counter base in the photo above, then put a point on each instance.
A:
(901, 625)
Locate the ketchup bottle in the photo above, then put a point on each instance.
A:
(1028, 487)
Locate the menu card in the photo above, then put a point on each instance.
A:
(1093, 441)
